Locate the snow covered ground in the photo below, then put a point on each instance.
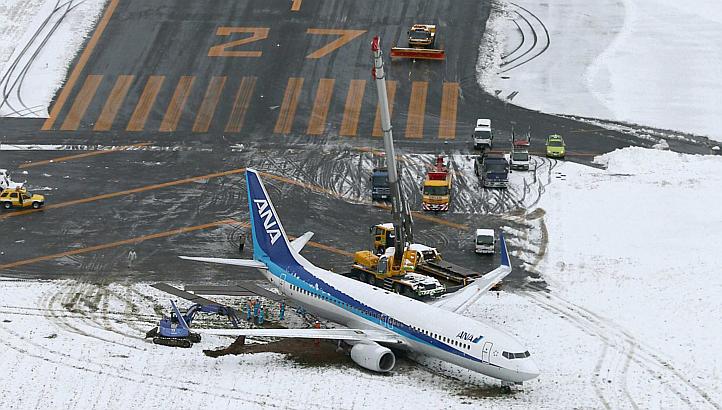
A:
(650, 62)
(632, 319)
(38, 41)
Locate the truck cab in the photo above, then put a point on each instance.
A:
(482, 136)
(380, 189)
(437, 188)
(520, 155)
(484, 241)
(493, 169)
(422, 36)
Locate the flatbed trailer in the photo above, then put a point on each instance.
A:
(411, 284)
(448, 271)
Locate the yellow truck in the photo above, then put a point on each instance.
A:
(437, 188)
(422, 43)
(20, 198)
(377, 270)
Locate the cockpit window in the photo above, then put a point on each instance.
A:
(511, 356)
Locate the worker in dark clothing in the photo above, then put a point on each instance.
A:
(242, 241)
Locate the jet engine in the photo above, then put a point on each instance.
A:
(373, 357)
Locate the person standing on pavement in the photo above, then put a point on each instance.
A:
(132, 256)
(242, 240)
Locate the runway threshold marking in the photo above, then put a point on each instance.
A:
(83, 155)
(417, 109)
(81, 103)
(321, 104)
(145, 188)
(391, 94)
(130, 241)
(177, 104)
(345, 37)
(288, 106)
(209, 104)
(449, 101)
(112, 105)
(241, 104)
(80, 66)
(296, 5)
(145, 103)
(352, 109)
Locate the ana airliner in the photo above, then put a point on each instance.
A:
(377, 321)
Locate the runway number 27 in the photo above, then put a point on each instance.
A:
(230, 48)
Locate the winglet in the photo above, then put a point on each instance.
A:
(504, 253)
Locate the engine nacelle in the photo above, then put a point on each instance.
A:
(373, 357)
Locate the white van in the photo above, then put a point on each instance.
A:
(485, 241)
(482, 136)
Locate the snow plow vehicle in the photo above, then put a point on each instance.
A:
(422, 40)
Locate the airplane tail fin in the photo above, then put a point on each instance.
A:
(269, 238)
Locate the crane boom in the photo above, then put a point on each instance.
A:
(403, 224)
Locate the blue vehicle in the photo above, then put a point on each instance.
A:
(380, 189)
(493, 169)
(175, 331)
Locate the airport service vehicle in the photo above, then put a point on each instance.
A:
(377, 271)
(20, 198)
(421, 258)
(6, 182)
(556, 148)
(380, 190)
(484, 241)
(520, 155)
(377, 322)
(436, 189)
(422, 40)
(174, 330)
(493, 169)
(482, 136)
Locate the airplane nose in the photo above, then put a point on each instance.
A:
(528, 369)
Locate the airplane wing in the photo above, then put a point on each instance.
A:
(301, 241)
(249, 263)
(460, 300)
(358, 335)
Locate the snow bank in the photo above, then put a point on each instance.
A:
(638, 245)
(31, 72)
(642, 61)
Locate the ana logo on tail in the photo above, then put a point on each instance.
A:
(264, 211)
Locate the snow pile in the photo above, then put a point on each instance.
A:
(654, 62)
(38, 41)
(638, 245)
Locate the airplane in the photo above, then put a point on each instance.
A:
(375, 319)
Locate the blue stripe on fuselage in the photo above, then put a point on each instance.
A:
(275, 252)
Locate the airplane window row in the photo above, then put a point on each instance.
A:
(442, 338)
(515, 355)
(342, 304)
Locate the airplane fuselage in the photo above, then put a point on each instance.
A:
(425, 329)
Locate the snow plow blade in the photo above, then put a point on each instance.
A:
(417, 53)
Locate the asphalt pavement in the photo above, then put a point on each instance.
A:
(217, 87)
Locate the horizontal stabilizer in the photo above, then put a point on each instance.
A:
(358, 335)
(249, 263)
(298, 243)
